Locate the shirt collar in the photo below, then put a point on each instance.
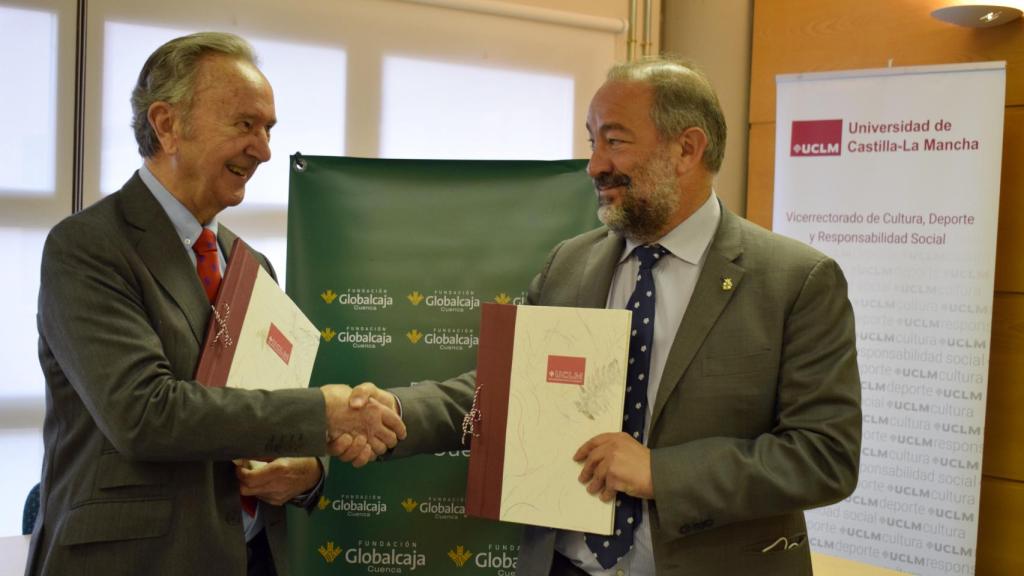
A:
(690, 238)
(185, 223)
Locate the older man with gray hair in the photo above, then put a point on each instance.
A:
(138, 474)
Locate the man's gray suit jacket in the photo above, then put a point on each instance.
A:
(757, 416)
(137, 475)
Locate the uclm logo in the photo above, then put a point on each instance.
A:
(567, 369)
(816, 138)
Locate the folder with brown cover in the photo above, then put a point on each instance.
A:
(257, 337)
(548, 380)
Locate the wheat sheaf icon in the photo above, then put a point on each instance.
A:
(330, 552)
(415, 298)
(414, 335)
(502, 298)
(328, 295)
(409, 504)
(459, 555)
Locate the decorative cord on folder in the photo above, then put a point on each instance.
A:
(473, 417)
(223, 336)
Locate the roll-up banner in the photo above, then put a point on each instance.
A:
(895, 174)
(391, 260)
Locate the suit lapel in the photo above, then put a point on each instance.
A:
(718, 281)
(599, 270)
(160, 249)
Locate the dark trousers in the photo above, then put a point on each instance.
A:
(260, 560)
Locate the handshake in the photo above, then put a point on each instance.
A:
(362, 422)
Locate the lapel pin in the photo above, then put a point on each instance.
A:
(727, 284)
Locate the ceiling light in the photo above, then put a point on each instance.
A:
(977, 15)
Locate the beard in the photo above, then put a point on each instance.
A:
(649, 200)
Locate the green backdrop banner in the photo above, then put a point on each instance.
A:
(391, 260)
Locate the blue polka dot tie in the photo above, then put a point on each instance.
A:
(628, 510)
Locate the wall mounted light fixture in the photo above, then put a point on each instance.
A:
(977, 15)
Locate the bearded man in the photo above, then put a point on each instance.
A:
(745, 410)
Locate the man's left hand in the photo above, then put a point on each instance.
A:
(616, 462)
(279, 480)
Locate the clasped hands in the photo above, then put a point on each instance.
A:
(362, 422)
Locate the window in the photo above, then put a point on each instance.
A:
(34, 195)
(441, 110)
(28, 143)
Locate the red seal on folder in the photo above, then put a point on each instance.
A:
(566, 369)
(279, 343)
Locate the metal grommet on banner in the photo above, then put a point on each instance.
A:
(300, 162)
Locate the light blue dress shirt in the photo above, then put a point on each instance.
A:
(675, 278)
(189, 229)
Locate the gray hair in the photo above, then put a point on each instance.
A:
(683, 99)
(169, 75)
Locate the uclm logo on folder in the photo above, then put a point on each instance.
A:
(566, 369)
(816, 138)
(279, 343)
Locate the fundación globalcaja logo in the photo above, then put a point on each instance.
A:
(503, 298)
(363, 337)
(816, 138)
(438, 508)
(459, 300)
(445, 300)
(385, 556)
(448, 339)
(355, 505)
(362, 299)
(500, 557)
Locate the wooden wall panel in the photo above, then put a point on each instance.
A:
(1010, 242)
(717, 35)
(1001, 533)
(761, 174)
(1004, 426)
(812, 36)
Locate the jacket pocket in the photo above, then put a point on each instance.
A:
(116, 520)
